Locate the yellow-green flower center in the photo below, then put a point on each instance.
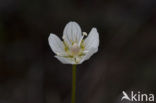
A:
(76, 50)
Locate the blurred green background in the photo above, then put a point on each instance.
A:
(126, 59)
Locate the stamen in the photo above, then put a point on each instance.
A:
(77, 59)
(85, 51)
(60, 54)
(83, 34)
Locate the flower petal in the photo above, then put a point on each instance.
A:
(65, 60)
(92, 41)
(88, 55)
(72, 33)
(56, 44)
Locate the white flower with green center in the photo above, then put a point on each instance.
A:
(74, 49)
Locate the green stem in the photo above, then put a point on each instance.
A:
(73, 83)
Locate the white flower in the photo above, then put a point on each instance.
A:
(74, 49)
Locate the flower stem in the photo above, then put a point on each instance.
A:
(73, 84)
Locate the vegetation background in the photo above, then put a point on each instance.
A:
(126, 59)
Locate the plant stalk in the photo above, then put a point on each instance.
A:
(73, 100)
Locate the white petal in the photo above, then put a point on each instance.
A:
(88, 55)
(72, 33)
(92, 41)
(65, 60)
(56, 44)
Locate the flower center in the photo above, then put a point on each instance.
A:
(75, 49)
